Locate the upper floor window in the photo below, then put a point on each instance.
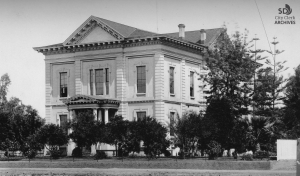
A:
(191, 84)
(141, 79)
(171, 80)
(107, 80)
(99, 81)
(91, 82)
(63, 84)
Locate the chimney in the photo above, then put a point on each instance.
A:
(181, 30)
(202, 36)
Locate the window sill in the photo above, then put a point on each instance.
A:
(192, 98)
(172, 95)
(63, 98)
(141, 94)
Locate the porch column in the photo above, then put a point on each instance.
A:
(106, 115)
(71, 144)
(95, 112)
(100, 115)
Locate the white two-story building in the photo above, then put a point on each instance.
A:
(113, 68)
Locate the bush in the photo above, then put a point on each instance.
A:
(247, 157)
(77, 152)
(55, 154)
(100, 155)
(167, 153)
(261, 154)
(214, 149)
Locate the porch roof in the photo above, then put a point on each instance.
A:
(90, 99)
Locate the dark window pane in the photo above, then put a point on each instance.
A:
(172, 116)
(99, 82)
(107, 80)
(91, 82)
(63, 123)
(63, 84)
(141, 79)
(192, 84)
(141, 115)
(172, 80)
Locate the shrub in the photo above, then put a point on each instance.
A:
(214, 149)
(55, 154)
(100, 155)
(261, 154)
(247, 157)
(77, 152)
(167, 153)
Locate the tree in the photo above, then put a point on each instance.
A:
(117, 132)
(4, 84)
(231, 68)
(51, 136)
(188, 133)
(291, 118)
(153, 134)
(82, 126)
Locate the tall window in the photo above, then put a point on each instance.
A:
(141, 115)
(141, 79)
(63, 84)
(63, 123)
(171, 80)
(191, 84)
(107, 80)
(99, 81)
(172, 117)
(91, 82)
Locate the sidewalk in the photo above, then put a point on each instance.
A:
(123, 171)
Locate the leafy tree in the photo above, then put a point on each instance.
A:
(188, 134)
(83, 133)
(291, 117)
(153, 134)
(220, 122)
(134, 138)
(4, 84)
(117, 132)
(231, 67)
(51, 136)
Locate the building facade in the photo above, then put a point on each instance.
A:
(114, 69)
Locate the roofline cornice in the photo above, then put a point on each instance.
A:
(127, 42)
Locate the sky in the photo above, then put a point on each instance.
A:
(25, 24)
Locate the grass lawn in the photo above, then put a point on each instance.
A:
(139, 163)
(141, 166)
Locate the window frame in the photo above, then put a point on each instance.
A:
(137, 80)
(192, 82)
(66, 83)
(174, 115)
(92, 90)
(172, 71)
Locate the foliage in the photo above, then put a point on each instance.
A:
(188, 133)
(231, 67)
(100, 155)
(117, 131)
(153, 134)
(83, 128)
(214, 149)
(77, 152)
(291, 117)
(261, 154)
(247, 157)
(51, 136)
(220, 122)
(4, 84)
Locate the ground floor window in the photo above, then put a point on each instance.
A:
(141, 115)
